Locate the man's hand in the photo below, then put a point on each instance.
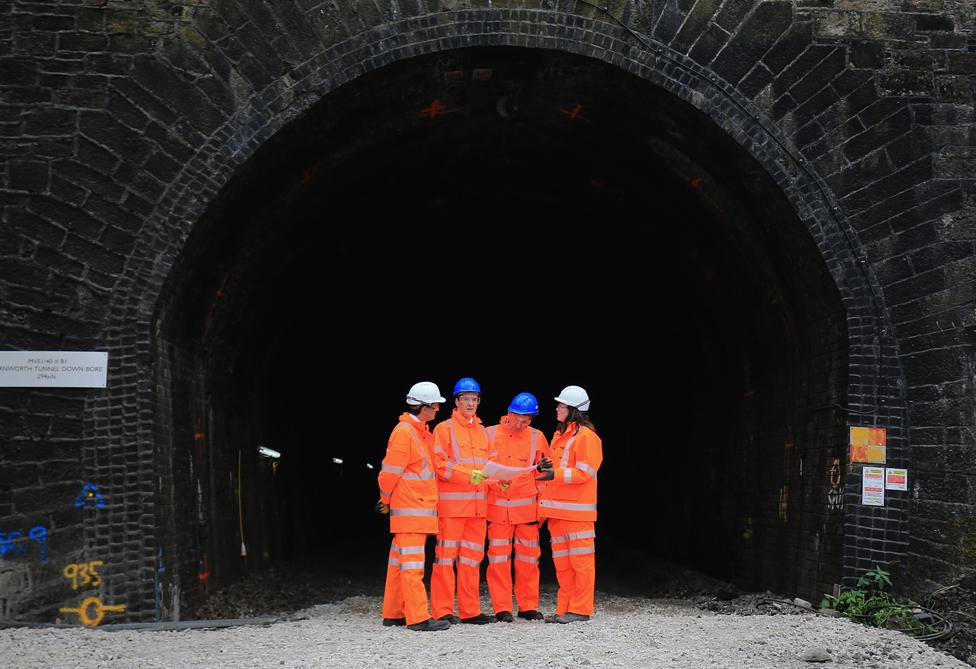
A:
(382, 507)
(544, 463)
(477, 476)
(547, 475)
(504, 485)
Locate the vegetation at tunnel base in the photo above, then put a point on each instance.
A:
(869, 603)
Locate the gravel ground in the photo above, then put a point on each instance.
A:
(664, 615)
(625, 632)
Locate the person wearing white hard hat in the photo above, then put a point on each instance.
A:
(408, 493)
(568, 501)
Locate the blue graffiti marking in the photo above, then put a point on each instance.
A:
(159, 584)
(39, 534)
(89, 497)
(13, 543)
(7, 546)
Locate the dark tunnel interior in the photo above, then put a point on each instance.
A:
(531, 219)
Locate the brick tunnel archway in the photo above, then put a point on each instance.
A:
(184, 420)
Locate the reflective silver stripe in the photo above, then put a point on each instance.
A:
(527, 558)
(454, 443)
(573, 536)
(499, 542)
(564, 462)
(469, 563)
(526, 542)
(413, 512)
(457, 448)
(495, 559)
(568, 506)
(522, 501)
(567, 475)
(394, 562)
(586, 468)
(463, 495)
(580, 550)
(411, 565)
(535, 433)
(386, 493)
(392, 469)
(473, 546)
(426, 476)
(439, 450)
(411, 550)
(448, 544)
(448, 470)
(427, 473)
(444, 561)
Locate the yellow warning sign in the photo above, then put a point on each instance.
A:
(868, 444)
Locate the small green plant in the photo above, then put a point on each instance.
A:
(869, 603)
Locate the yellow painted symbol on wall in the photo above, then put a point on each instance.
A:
(95, 605)
(87, 571)
(835, 496)
(869, 444)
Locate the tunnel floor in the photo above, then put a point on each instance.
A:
(288, 589)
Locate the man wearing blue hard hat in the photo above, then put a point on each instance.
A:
(460, 452)
(513, 510)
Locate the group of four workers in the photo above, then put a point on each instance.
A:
(464, 481)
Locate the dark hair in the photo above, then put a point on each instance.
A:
(414, 408)
(575, 416)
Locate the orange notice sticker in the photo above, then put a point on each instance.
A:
(868, 444)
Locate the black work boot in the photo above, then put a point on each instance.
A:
(429, 625)
(531, 614)
(504, 617)
(394, 622)
(570, 617)
(451, 618)
(480, 619)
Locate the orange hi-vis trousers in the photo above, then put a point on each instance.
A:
(461, 541)
(574, 555)
(499, 572)
(405, 595)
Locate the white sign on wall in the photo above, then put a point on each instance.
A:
(872, 486)
(53, 369)
(896, 479)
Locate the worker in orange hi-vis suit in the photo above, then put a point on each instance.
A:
(408, 492)
(568, 501)
(460, 450)
(516, 449)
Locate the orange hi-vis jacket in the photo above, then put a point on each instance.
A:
(407, 479)
(576, 456)
(460, 446)
(518, 504)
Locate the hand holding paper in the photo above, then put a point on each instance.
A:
(504, 472)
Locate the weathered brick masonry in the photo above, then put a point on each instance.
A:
(121, 122)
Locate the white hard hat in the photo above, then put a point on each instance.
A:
(424, 392)
(574, 396)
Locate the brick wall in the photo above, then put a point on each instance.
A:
(121, 121)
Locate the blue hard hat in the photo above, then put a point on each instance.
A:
(525, 404)
(466, 385)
